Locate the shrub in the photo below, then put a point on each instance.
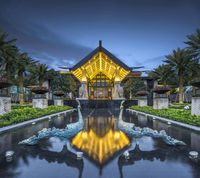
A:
(19, 106)
(28, 113)
(180, 115)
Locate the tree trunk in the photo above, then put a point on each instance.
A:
(21, 90)
(130, 96)
(181, 89)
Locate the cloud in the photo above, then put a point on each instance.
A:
(44, 44)
(62, 32)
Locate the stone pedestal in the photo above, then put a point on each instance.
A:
(142, 101)
(40, 103)
(58, 102)
(195, 109)
(160, 103)
(5, 105)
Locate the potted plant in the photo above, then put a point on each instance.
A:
(4, 83)
(142, 93)
(59, 93)
(161, 89)
(39, 90)
(40, 73)
(195, 82)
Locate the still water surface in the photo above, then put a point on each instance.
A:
(103, 146)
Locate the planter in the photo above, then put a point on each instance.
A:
(40, 103)
(40, 100)
(142, 93)
(142, 101)
(5, 100)
(58, 99)
(195, 82)
(59, 93)
(160, 103)
(4, 83)
(160, 100)
(195, 108)
(39, 90)
(142, 98)
(5, 105)
(58, 102)
(161, 89)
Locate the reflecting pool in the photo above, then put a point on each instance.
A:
(103, 146)
(100, 138)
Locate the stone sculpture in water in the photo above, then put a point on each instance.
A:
(137, 132)
(129, 128)
(69, 131)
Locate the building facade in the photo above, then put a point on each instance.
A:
(100, 75)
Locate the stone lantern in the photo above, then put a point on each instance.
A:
(40, 99)
(58, 98)
(195, 108)
(160, 100)
(5, 99)
(142, 98)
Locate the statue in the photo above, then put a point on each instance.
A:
(118, 91)
(83, 91)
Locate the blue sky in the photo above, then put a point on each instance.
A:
(62, 32)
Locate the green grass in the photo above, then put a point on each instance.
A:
(28, 113)
(180, 115)
(18, 106)
(178, 105)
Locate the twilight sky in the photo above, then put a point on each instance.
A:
(62, 32)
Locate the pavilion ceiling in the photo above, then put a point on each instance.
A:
(100, 62)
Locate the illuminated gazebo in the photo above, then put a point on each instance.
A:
(101, 74)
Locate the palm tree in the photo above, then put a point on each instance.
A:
(179, 61)
(22, 63)
(164, 74)
(194, 44)
(40, 73)
(8, 54)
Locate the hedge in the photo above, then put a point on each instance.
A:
(27, 113)
(180, 115)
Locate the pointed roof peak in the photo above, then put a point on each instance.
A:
(100, 43)
(101, 49)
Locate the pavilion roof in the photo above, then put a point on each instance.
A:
(105, 51)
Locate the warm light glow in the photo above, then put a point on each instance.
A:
(100, 63)
(100, 148)
(65, 72)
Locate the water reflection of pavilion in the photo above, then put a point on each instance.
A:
(100, 139)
